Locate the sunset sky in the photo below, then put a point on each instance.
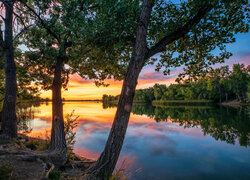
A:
(79, 88)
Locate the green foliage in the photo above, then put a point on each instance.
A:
(95, 38)
(6, 171)
(141, 96)
(216, 85)
(183, 102)
(63, 32)
(28, 80)
(106, 98)
(55, 174)
(144, 95)
(195, 49)
(113, 26)
(70, 135)
(248, 92)
(159, 90)
(240, 81)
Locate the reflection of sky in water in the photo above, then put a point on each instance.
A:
(162, 150)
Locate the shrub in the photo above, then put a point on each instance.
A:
(70, 124)
(55, 174)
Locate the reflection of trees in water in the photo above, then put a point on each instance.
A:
(109, 104)
(25, 115)
(222, 123)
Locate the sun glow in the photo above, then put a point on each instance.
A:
(80, 89)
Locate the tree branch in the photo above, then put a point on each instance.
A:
(2, 17)
(20, 18)
(180, 32)
(42, 22)
(22, 31)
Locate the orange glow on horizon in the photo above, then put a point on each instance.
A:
(80, 89)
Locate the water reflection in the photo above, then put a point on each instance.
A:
(164, 142)
(223, 123)
(25, 116)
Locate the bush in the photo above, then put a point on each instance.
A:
(55, 174)
(70, 135)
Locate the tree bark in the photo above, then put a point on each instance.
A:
(9, 119)
(57, 132)
(58, 142)
(105, 165)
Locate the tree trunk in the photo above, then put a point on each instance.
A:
(9, 119)
(58, 142)
(105, 165)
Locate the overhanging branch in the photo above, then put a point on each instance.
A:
(41, 21)
(22, 32)
(180, 32)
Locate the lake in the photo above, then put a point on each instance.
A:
(174, 142)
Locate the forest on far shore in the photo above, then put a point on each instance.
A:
(216, 85)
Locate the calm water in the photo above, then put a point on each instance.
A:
(162, 142)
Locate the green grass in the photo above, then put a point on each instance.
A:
(37, 144)
(34, 144)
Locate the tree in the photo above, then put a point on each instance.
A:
(55, 41)
(170, 92)
(159, 91)
(9, 125)
(185, 35)
(50, 40)
(240, 80)
(15, 23)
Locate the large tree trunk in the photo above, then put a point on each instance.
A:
(58, 142)
(9, 119)
(105, 165)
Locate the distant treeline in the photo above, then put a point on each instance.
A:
(217, 85)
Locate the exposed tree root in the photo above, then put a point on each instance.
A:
(28, 164)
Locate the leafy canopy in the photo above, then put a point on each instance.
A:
(114, 25)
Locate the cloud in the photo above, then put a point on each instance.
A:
(152, 76)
